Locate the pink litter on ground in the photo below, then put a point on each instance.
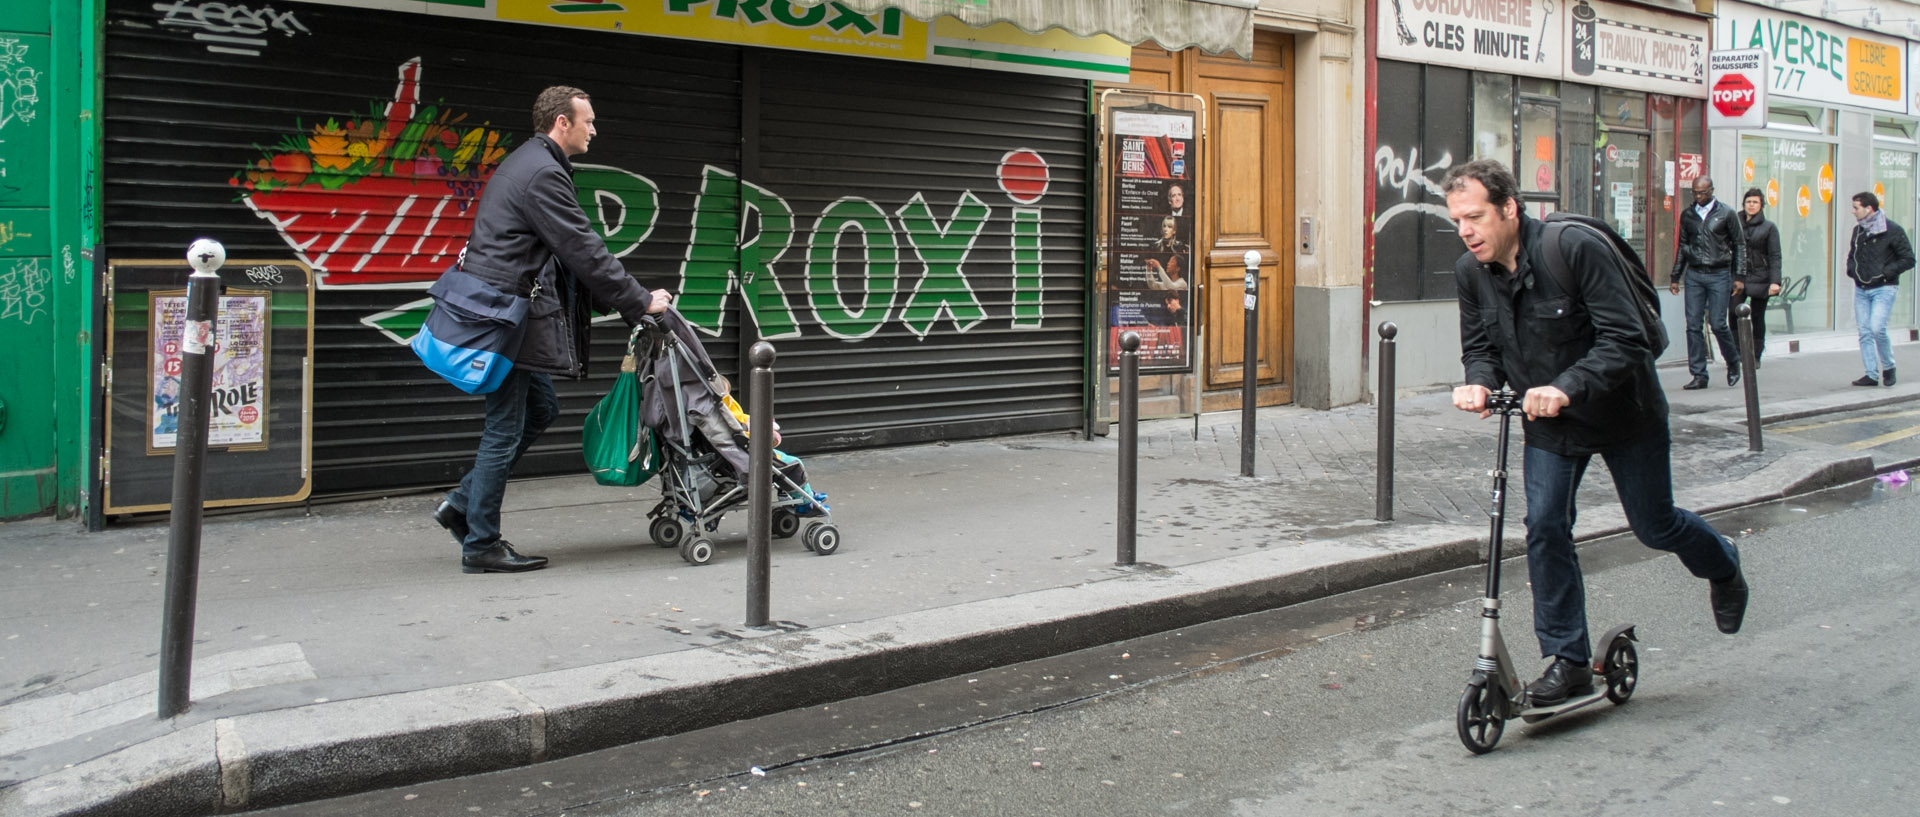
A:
(1895, 477)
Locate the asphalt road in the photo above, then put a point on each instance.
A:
(1346, 707)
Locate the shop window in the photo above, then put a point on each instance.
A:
(1893, 130)
(1539, 87)
(1623, 109)
(1424, 128)
(1788, 173)
(1576, 148)
(1893, 184)
(1671, 183)
(1797, 117)
(1539, 147)
(1493, 117)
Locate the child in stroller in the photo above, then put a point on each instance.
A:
(702, 434)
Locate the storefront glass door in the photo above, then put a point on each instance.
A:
(1789, 170)
(1893, 182)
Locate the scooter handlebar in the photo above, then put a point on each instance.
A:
(1504, 401)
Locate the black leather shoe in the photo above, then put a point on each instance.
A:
(1729, 599)
(1733, 377)
(1697, 383)
(453, 519)
(1866, 380)
(1886, 377)
(1562, 680)
(501, 558)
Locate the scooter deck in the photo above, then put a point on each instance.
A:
(1541, 713)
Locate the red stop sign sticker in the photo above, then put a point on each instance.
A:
(1732, 95)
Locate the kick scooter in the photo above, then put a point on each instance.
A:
(1495, 693)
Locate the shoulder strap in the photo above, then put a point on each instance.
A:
(1557, 260)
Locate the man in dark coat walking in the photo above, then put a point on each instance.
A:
(1712, 251)
(1582, 361)
(530, 235)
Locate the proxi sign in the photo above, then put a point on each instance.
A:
(1737, 83)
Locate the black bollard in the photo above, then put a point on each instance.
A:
(1743, 331)
(1129, 445)
(1383, 426)
(1250, 367)
(760, 484)
(189, 477)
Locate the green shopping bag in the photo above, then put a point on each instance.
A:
(619, 450)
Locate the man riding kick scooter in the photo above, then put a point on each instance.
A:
(1576, 348)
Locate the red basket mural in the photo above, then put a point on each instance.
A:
(382, 200)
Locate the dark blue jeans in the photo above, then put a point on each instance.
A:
(517, 412)
(1708, 292)
(1643, 477)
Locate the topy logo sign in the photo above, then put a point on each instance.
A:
(1738, 80)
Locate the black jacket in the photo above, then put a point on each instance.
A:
(1713, 244)
(1877, 259)
(1763, 254)
(1519, 329)
(529, 228)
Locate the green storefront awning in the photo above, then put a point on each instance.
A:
(1214, 26)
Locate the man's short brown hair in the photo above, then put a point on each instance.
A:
(1501, 186)
(552, 104)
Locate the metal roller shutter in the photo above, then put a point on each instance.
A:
(975, 339)
(191, 120)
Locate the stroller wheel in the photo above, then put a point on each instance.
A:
(666, 531)
(697, 551)
(823, 539)
(785, 524)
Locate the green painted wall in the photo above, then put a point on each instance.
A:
(47, 231)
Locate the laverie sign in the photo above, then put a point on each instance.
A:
(1818, 60)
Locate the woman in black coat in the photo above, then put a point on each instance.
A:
(1760, 281)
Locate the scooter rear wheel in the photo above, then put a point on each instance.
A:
(1622, 667)
(1481, 717)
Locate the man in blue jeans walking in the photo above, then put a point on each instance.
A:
(530, 235)
(1711, 250)
(1585, 365)
(1879, 254)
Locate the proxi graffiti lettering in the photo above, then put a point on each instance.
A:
(19, 83)
(229, 28)
(853, 264)
(23, 290)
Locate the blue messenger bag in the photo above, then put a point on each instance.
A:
(473, 332)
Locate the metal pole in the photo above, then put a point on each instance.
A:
(1383, 426)
(1743, 332)
(760, 484)
(1250, 363)
(1129, 445)
(189, 477)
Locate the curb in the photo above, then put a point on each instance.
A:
(280, 757)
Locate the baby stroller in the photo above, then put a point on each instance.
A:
(704, 450)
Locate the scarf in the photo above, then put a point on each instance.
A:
(1875, 224)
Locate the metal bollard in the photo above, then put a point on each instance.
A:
(189, 477)
(1129, 445)
(760, 484)
(1383, 426)
(1250, 367)
(1743, 332)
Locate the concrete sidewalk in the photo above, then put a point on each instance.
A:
(344, 651)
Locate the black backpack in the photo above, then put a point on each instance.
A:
(1630, 266)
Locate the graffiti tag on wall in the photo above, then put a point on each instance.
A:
(229, 28)
(19, 84)
(23, 290)
(1406, 178)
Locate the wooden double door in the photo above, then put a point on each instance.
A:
(1248, 205)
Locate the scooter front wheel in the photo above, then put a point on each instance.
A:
(1481, 717)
